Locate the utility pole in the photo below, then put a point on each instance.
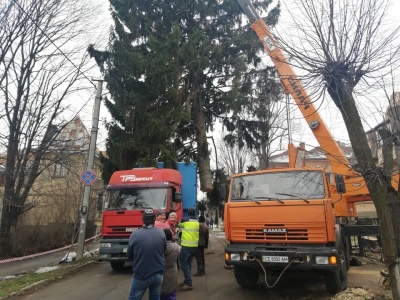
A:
(90, 164)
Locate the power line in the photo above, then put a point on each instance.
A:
(44, 33)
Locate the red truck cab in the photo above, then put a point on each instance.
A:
(130, 192)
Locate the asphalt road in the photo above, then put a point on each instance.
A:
(99, 281)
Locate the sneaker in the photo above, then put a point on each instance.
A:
(186, 287)
(198, 274)
(181, 284)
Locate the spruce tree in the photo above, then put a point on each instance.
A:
(173, 68)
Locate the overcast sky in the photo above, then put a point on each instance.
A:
(328, 111)
(371, 111)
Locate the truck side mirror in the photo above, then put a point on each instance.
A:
(177, 198)
(339, 182)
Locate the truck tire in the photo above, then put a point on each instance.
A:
(346, 245)
(348, 254)
(246, 277)
(117, 265)
(336, 281)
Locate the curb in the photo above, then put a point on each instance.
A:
(223, 241)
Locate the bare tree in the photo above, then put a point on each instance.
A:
(233, 159)
(42, 62)
(346, 46)
(268, 114)
(259, 123)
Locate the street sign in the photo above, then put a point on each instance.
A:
(88, 177)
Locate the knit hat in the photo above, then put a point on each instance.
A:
(160, 212)
(172, 213)
(148, 216)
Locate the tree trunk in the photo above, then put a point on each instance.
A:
(381, 191)
(202, 146)
(8, 223)
(9, 212)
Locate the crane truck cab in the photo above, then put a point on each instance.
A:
(282, 220)
(130, 192)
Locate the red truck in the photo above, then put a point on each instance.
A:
(130, 192)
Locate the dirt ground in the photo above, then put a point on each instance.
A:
(366, 281)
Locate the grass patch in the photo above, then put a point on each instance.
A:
(11, 286)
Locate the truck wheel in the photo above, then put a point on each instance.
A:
(337, 281)
(348, 256)
(246, 277)
(117, 265)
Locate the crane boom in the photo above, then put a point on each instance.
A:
(297, 217)
(292, 85)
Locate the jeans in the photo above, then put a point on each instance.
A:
(186, 256)
(139, 287)
(200, 260)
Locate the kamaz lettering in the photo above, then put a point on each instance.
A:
(299, 92)
(125, 178)
(274, 230)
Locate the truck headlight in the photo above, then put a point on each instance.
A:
(235, 256)
(105, 245)
(322, 260)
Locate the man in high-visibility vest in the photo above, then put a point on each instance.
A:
(189, 241)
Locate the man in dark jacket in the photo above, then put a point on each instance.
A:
(146, 248)
(203, 244)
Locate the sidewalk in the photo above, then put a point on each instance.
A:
(18, 267)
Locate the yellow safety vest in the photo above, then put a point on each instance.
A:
(190, 233)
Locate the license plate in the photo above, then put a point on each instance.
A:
(278, 259)
(124, 250)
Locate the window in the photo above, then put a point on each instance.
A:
(59, 170)
(137, 198)
(279, 185)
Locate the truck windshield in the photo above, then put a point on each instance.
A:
(291, 185)
(137, 198)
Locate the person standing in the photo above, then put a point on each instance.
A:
(160, 219)
(146, 249)
(170, 280)
(203, 244)
(211, 223)
(189, 241)
(171, 224)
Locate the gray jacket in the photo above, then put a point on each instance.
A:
(170, 280)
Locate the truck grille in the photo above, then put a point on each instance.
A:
(290, 235)
(119, 231)
(270, 233)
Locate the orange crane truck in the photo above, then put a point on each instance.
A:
(294, 219)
